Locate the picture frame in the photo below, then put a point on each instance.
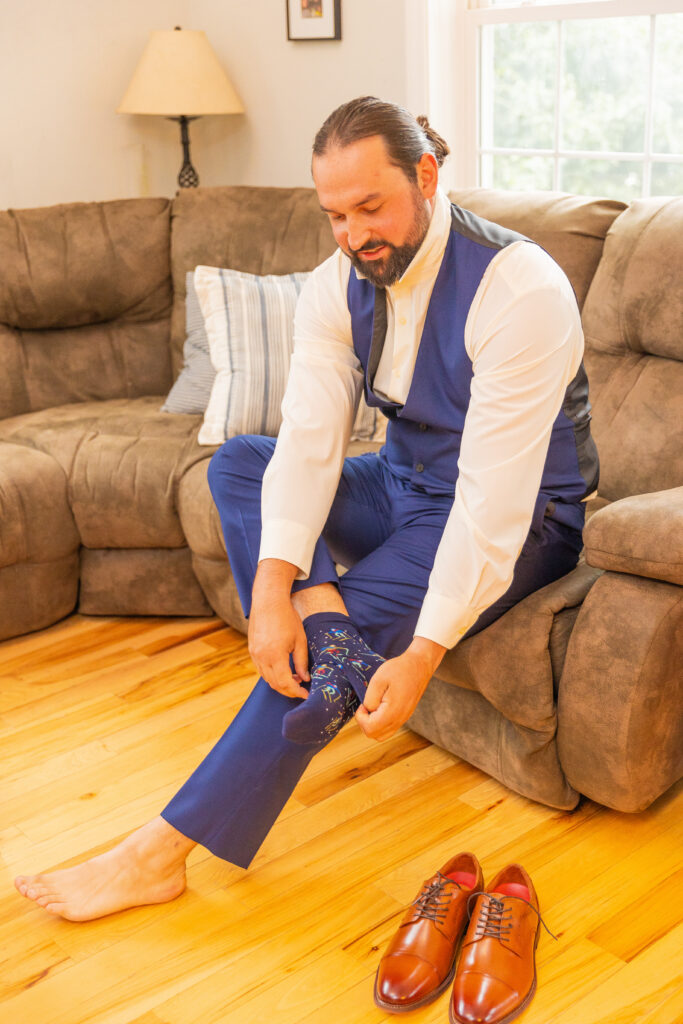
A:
(309, 20)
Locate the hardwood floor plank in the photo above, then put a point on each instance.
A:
(566, 976)
(383, 755)
(638, 990)
(659, 910)
(286, 1000)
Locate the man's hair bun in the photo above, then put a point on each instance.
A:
(439, 145)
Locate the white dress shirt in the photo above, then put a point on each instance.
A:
(523, 335)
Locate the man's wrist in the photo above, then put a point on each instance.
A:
(276, 575)
(428, 651)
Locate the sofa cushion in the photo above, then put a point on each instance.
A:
(509, 661)
(35, 521)
(38, 542)
(492, 700)
(85, 296)
(123, 460)
(633, 323)
(641, 535)
(140, 581)
(571, 228)
(256, 230)
(635, 303)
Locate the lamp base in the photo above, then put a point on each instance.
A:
(188, 177)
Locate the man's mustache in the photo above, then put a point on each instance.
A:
(369, 246)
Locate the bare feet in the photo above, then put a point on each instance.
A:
(147, 867)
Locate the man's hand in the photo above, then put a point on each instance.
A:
(396, 687)
(275, 629)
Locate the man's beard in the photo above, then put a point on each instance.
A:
(386, 272)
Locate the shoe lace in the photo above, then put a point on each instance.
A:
(494, 917)
(432, 902)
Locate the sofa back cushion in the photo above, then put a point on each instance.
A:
(633, 323)
(571, 228)
(85, 297)
(255, 230)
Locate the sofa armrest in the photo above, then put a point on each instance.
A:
(620, 720)
(641, 536)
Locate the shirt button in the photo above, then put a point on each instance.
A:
(419, 468)
(402, 320)
(423, 426)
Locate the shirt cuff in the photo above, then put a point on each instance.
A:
(290, 542)
(444, 620)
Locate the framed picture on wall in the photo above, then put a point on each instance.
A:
(313, 19)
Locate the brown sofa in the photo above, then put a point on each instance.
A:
(105, 508)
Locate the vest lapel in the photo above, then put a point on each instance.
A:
(379, 335)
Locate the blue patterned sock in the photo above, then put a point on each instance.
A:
(341, 666)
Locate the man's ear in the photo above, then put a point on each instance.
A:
(427, 175)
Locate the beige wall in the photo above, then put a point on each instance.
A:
(64, 65)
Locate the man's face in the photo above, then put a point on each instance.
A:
(379, 217)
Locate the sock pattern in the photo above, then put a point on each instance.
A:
(341, 666)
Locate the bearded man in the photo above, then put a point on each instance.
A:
(467, 337)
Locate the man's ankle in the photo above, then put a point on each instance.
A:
(323, 597)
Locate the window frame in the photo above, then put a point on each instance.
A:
(450, 82)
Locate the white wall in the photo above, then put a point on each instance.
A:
(64, 65)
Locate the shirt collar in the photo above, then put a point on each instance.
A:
(427, 259)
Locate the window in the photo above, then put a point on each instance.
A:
(583, 97)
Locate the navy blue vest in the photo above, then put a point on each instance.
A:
(423, 436)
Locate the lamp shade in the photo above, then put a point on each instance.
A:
(178, 73)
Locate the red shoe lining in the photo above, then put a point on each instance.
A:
(465, 878)
(514, 889)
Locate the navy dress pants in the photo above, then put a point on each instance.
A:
(387, 532)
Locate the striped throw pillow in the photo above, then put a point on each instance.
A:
(249, 323)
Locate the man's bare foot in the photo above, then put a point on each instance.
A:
(146, 867)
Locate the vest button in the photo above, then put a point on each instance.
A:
(423, 426)
(419, 468)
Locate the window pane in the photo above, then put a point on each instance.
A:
(522, 172)
(668, 100)
(615, 179)
(518, 84)
(605, 80)
(667, 180)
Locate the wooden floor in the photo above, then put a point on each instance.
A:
(101, 720)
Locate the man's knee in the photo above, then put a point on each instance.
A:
(241, 459)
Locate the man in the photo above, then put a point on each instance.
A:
(468, 338)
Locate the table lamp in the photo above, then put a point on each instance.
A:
(180, 77)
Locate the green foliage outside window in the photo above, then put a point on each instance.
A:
(604, 91)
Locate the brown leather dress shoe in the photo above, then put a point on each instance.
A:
(420, 959)
(496, 976)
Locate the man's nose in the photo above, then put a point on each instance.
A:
(357, 234)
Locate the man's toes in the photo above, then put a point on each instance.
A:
(25, 883)
(57, 909)
(47, 899)
(36, 888)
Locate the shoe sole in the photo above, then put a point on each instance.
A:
(429, 998)
(522, 1006)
